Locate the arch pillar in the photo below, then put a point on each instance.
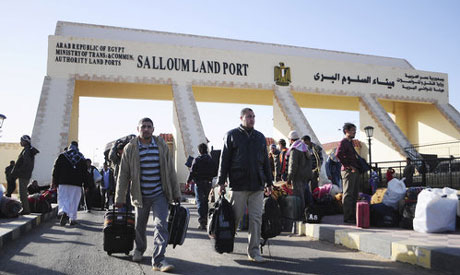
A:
(50, 133)
(288, 116)
(189, 130)
(287, 112)
(390, 141)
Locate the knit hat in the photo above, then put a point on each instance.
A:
(293, 135)
(25, 138)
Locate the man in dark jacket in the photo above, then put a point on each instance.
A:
(69, 174)
(244, 161)
(316, 161)
(90, 189)
(11, 183)
(281, 166)
(299, 170)
(23, 171)
(201, 172)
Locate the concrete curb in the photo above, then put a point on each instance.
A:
(381, 243)
(385, 245)
(12, 229)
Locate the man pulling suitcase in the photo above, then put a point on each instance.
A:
(147, 164)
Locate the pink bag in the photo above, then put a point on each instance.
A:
(322, 190)
(362, 214)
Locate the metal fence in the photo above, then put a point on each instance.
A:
(435, 172)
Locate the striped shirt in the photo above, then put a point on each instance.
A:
(150, 169)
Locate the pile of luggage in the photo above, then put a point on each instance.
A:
(326, 200)
(418, 208)
(9, 207)
(40, 200)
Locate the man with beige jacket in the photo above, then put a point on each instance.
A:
(147, 165)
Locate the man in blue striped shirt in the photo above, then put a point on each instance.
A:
(147, 164)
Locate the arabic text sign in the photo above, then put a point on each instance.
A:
(408, 82)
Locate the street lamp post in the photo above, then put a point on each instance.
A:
(369, 133)
(2, 118)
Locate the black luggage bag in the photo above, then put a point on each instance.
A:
(313, 214)
(271, 219)
(221, 226)
(290, 207)
(382, 215)
(119, 232)
(178, 220)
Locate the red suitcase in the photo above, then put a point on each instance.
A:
(362, 214)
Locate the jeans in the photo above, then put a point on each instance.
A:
(202, 189)
(159, 207)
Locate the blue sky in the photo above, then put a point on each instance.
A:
(425, 33)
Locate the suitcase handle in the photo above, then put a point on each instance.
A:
(125, 214)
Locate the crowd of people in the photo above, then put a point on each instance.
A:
(140, 174)
(71, 172)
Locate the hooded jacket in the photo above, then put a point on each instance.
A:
(66, 173)
(300, 162)
(25, 163)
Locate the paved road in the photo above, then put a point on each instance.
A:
(52, 249)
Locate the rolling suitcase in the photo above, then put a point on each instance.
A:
(178, 219)
(119, 232)
(362, 214)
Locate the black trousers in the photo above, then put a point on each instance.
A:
(11, 186)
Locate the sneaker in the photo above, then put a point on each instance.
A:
(137, 257)
(64, 219)
(257, 259)
(163, 266)
(72, 222)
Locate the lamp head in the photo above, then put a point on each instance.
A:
(369, 131)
